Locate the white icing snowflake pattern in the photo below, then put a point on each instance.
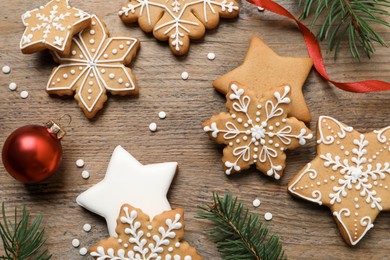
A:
(257, 131)
(139, 240)
(178, 20)
(350, 169)
(52, 25)
(94, 66)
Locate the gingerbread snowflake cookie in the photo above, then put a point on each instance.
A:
(350, 175)
(257, 130)
(178, 21)
(94, 66)
(52, 27)
(140, 238)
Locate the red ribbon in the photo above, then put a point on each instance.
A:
(315, 53)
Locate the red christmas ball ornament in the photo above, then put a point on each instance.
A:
(33, 153)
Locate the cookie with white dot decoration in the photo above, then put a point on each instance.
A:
(95, 66)
(257, 130)
(178, 21)
(160, 238)
(350, 175)
(52, 27)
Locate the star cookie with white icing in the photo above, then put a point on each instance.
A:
(257, 130)
(95, 66)
(128, 181)
(52, 27)
(140, 238)
(350, 175)
(178, 21)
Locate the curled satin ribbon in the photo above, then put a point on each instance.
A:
(314, 51)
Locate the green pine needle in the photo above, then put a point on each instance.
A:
(22, 240)
(351, 20)
(239, 234)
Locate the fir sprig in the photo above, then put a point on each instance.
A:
(22, 240)
(351, 19)
(239, 234)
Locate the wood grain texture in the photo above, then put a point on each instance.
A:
(307, 231)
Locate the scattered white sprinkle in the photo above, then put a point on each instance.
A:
(75, 242)
(80, 163)
(83, 251)
(162, 115)
(211, 56)
(153, 127)
(12, 86)
(6, 69)
(256, 203)
(24, 94)
(185, 75)
(87, 227)
(85, 174)
(268, 216)
(260, 9)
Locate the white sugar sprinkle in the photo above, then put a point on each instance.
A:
(260, 9)
(185, 75)
(24, 94)
(12, 86)
(268, 216)
(153, 127)
(87, 227)
(75, 242)
(85, 174)
(83, 251)
(256, 203)
(211, 56)
(162, 115)
(6, 69)
(80, 163)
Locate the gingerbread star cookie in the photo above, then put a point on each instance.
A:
(95, 66)
(263, 69)
(140, 238)
(178, 21)
(257, 130)
(52, 27)
(350, 175)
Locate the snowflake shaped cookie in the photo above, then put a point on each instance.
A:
(350, 175)
(52, 27)
(140, 238)
(178, 20)
(95, 65)
(257, 131)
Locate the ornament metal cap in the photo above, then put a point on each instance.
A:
(56, 129)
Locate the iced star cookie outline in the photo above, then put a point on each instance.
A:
(149, 187)
(179, 40)
(141, 238)
(252, 132)
(344, 172)
(94, 58)
(49, 23)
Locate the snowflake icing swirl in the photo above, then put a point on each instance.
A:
(140, 239)
(257, 132)
(351, 175)
(178, 20)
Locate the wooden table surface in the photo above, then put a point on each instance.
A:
(307, 230)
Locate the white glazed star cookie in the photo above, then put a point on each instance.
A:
(52, 27)
(350, 175)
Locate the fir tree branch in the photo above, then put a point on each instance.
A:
(239, 234)
(351, 19)
(22, 240)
